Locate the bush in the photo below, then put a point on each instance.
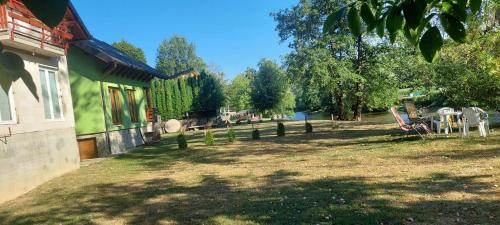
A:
(309, 128)
(256, 134)
(209, 138)
(182, 142)
(335, 126)
(281, 130)
(231, 135)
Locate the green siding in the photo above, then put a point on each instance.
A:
(85, 72)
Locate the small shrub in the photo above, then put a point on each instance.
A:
(209, 138)
(256, 134)
(281, 130)
(335, 126)
(249, 121)
(182, 142)
(309, 128)
(231, 135)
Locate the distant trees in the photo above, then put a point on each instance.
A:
(175, 97)
(468, 73)
(131, 50)
(270, 91)
(211, 96)
(265, 90)
(239, 91)
(411, 18)
(176, 55)
(341, 71)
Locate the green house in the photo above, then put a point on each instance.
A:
(110, 94)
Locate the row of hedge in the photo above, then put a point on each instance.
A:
(173, 98)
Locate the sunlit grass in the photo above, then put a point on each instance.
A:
(359, 173)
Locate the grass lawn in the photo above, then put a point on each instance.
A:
(362, 173)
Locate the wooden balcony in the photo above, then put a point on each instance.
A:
(20, 29)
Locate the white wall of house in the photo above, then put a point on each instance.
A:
(37, 149)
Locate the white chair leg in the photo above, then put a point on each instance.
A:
(482, 131)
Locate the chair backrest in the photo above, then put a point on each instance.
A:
(398, 118)
(473, 115)
(411, 109)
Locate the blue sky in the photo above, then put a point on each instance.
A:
(233, 34)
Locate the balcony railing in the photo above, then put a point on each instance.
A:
(18, 21)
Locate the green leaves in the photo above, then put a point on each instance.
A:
(367, 15)
(453, 27)
(332, 20)
(381, 27)
(354, 21)
(474, 5)
(430, 43)
(394, 22)
(50, 12)
(411, 17)
(413, 12)
(454, 9)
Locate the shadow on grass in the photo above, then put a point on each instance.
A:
(457, 154)
(280, 200)
(166, 153)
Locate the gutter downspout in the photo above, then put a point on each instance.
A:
(109, 69)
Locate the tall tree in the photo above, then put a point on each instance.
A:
(411, 18)
(176, 55)
(168, 105)
(324, 79)
(269, 86)
(211, 95)
(302, 24)
(239, 91)
(130, 50)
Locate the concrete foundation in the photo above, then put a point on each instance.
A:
(122, 141)
(30, 159)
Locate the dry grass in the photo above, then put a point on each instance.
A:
(359, 174)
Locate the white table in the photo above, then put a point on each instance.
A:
(445, 115)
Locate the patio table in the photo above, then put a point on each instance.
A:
(456, 114)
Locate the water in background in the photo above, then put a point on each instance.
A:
(381, 117)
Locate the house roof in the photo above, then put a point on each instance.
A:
(118, 62)
(78, 29)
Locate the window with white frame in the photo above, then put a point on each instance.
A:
(7, 114)
(50, 93)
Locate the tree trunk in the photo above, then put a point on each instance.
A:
(359, 102)
(339, 99)
(359, 86)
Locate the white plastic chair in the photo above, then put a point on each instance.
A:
(476, 117)
(444, 119)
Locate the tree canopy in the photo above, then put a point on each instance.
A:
(239, 91)
(269, 86)
(176, 55)
(129, 49)
(421, 21)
